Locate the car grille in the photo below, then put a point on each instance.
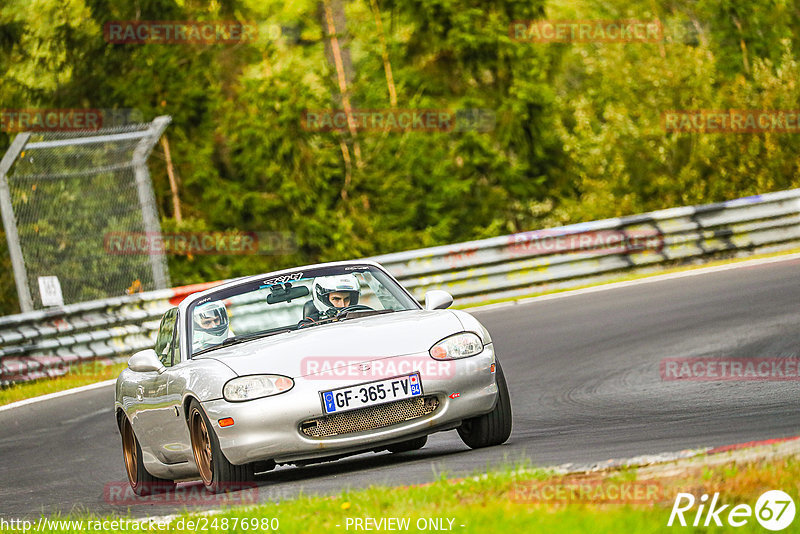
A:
(370, 418)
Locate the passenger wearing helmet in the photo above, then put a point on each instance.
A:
(330, 293)
(210, 325)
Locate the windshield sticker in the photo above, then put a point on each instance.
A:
(282, 279)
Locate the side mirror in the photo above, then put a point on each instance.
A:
(146, 361)
(437, 299)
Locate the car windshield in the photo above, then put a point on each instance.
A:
(302, 299)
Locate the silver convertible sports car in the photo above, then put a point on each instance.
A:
(304, 365)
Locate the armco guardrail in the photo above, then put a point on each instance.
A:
(512, 265)
(43, 343)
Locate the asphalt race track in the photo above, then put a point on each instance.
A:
(585, 383)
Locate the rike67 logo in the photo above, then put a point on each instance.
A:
(774, 511)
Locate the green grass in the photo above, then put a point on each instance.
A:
(488, 503)
(78, 375)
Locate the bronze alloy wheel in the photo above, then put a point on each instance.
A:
(129, 452)
(201, 445)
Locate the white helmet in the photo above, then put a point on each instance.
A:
(323, 286)
(210, 321)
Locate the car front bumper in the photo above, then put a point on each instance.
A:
(270, 428)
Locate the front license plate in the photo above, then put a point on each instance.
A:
(371, 393)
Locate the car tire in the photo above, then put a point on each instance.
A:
(142, 482)
(492, 428)
(407, 446)
(217, 473)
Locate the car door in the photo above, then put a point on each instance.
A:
(175, 442)
(158, 419)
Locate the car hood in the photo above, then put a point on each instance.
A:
(303, 352)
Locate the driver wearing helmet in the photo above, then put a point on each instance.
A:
(330, 293)
(211, 326)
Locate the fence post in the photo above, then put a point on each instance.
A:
(147, 198)
(10, 223)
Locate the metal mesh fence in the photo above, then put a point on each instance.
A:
(68, 192)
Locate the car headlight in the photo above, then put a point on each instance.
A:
(458, 346)
(256, 386)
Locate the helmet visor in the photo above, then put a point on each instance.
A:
(213, 320)
(344, 286)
